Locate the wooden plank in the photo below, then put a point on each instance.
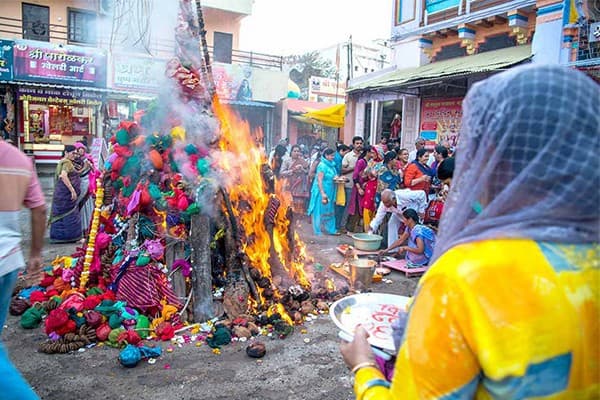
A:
(342, 269)
(175, 250)
(400, 265)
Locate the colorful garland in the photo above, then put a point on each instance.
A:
(89, 252)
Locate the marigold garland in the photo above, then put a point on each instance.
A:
(89, 252)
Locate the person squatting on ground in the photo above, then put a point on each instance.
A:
(509, 308)
(395, 202)
(17, 172)
(421, 240)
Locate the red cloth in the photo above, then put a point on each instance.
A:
(37, 297)
(56, 319)
(103, 331)
(368, 200)
(108, 295)
(69, 327)
(47, 280)
(165, 331)
(131, 337)
(75, 301)
(91, 302)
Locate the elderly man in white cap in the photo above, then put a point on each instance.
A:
(396, 202)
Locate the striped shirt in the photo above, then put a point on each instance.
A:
(19, 187)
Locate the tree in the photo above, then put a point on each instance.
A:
(302, 67)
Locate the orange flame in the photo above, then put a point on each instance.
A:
(278, 308)
(242, 157)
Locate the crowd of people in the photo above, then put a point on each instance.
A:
(359, 187)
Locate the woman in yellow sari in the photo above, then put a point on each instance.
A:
(510, 306)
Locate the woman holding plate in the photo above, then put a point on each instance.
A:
(509, 307)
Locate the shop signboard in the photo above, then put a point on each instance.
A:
(433, 6)
(64, 64)
(440, 120)
(146, 74)
(60, 97)
(6, 60)
(326, 90)
(243, 83)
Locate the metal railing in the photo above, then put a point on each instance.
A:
(587, 49)
(12, 28)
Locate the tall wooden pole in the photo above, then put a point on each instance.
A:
(205, 54)
(202, 278)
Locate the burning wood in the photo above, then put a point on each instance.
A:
(196, 181)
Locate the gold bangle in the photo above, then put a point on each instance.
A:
(363, 365)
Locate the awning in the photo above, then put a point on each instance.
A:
(460, 66)
(303, 106)
(247, 103)
(331, 116)
(69, 87)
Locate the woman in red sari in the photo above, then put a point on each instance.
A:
(418, 174)
(295, 171)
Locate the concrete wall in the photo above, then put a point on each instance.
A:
(547, 43)
(409, 54)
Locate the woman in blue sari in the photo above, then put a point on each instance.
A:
(65, 220)
(421, 240)
(322, 195)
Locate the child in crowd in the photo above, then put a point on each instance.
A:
(368, 200)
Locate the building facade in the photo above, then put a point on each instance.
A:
(70, 70)
(442, 47)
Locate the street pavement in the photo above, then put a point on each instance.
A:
(302, 366)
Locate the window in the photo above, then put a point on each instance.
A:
(223, 45)
(497, 42)
(36, 22)
(82, 26)
(404, 11)
(450, 51)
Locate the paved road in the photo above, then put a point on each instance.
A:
(303, 366)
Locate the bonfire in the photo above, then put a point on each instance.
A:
(189, 226)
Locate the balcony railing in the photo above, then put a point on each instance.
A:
(587, 49)
(12, 28)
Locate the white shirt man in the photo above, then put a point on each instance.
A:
(349, 161)
(396, 202)
(419, 144)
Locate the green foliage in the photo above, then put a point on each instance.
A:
(303, 66)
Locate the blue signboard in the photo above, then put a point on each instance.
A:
(6, 60)
(433, 6)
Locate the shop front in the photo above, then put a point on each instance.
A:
(50, 118)
(428, 98)
(7, 103)
(59, 90)
(135, 81)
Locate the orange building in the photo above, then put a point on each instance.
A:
(70, 70)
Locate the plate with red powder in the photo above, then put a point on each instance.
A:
(374, 311)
